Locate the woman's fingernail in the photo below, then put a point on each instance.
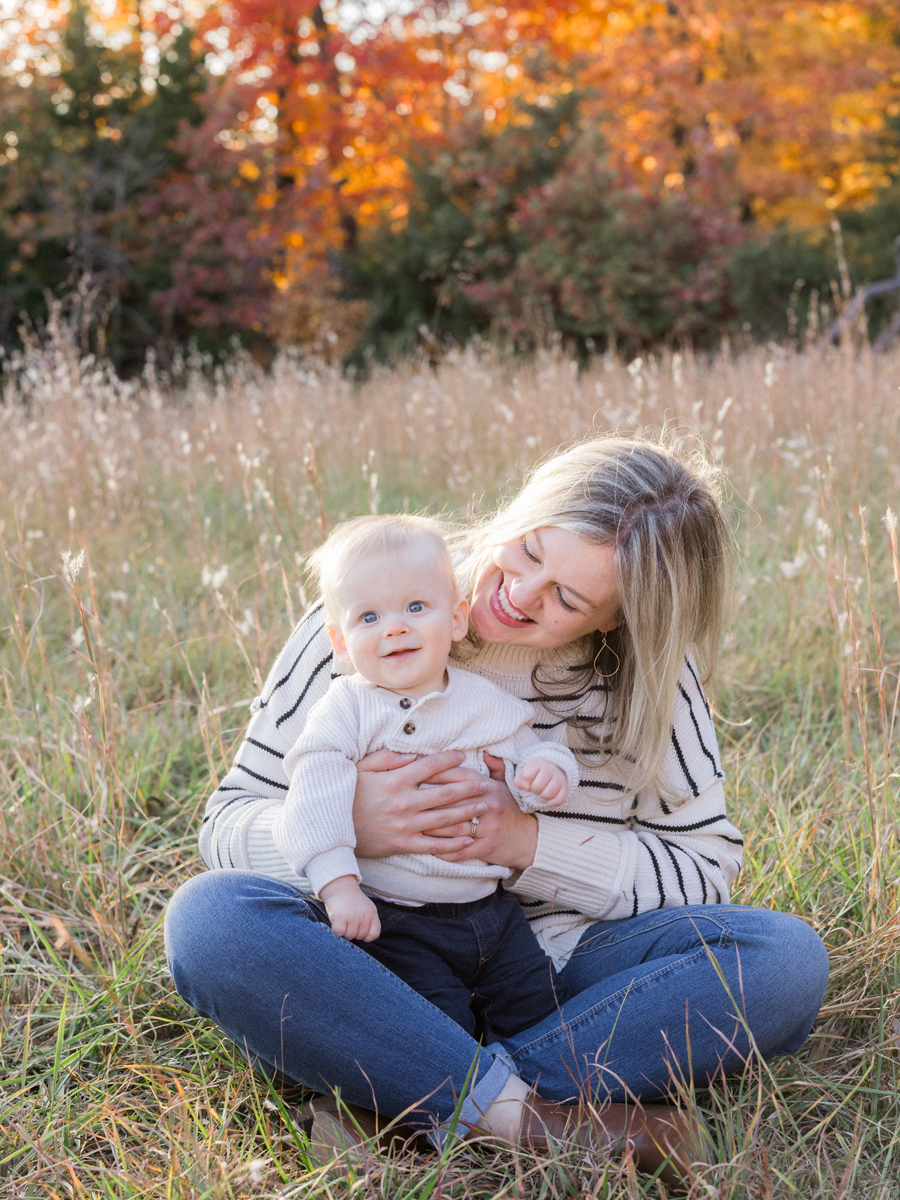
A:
(480, 810)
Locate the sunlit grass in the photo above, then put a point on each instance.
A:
(126, 687)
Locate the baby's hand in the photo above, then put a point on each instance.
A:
(352, 914)
(543, 779)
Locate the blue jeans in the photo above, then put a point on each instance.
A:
(651, 998)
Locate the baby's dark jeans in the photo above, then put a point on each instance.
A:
(476, 962)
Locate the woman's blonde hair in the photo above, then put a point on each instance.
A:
(659, 503)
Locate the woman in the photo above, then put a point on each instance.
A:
(598, 595)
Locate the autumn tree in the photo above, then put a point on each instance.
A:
(91, 139)
(279, 172)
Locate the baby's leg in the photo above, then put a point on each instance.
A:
(407, 948)
(518, 985)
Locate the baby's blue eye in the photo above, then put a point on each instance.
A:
(369, 618)
(416, 607)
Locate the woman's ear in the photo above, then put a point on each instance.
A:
(338, 644)
(460, 619)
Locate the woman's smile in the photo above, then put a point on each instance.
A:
(504, 608)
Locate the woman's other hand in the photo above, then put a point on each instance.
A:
(393, 815)
(504, 834)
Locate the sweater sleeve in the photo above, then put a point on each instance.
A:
(237, 829)
(666, 852)
(314, 828)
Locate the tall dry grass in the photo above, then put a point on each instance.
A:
(127, 676)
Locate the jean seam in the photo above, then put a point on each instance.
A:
(481, 941)
(567, 1028)
(392, 921)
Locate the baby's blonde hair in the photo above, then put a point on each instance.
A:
(352, 541)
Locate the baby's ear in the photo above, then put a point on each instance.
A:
(338, 644)
(460, 619)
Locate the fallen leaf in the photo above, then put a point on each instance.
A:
(65, 941)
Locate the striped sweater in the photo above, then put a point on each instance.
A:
(605, 854)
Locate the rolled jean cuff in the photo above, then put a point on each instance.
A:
(481, 1095)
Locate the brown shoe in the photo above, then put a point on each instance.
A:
(661, 1139)
(346, 1129)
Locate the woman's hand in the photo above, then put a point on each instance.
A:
(505, 835)
(393, 815)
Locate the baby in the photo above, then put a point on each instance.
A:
(393, 609)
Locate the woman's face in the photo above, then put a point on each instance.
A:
(545, 590)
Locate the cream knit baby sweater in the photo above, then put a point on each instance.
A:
(354, 718)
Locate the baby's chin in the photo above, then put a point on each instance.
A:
(411, 683)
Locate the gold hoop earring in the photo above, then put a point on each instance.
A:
(606, 646)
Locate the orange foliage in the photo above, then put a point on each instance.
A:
(772, 107)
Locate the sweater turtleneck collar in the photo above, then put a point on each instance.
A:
(502, 659)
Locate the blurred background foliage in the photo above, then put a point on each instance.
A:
(358, 181)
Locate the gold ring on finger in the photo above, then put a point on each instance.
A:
(473, 826)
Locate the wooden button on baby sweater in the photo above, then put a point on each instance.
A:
(409, 727)
(406, 702)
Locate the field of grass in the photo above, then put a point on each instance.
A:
(127, 678)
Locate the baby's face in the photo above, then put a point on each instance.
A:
(395, 617)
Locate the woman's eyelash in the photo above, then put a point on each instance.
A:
(531, 557)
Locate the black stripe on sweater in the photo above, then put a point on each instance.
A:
(284, 679)
(675, 867)
(658, 874)
(712, 862)
(691, 784)
(268, 749)
(570, 816)
(689, 828)
(700, 875)
(687, 663)
(703, 747)
(556, 912)
(566, 721)
(602, 783)
(552, 699)
(283, 787)
(214, 815)
(290, 712)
